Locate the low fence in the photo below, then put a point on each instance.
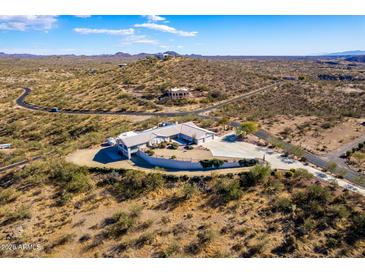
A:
(181, 164)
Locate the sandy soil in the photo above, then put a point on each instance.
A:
(184, 154)
(308, 133)
(7, 151)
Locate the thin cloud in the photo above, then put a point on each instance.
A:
(155, 18)
(129, 31)
(29, 22)
(82, 16)
(139, 39)
(165, 28)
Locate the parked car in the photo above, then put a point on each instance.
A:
(4, 146)
(55, 109)
(111, 141)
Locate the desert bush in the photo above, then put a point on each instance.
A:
(173, 249)
(357, 228)
(228, 189)
(289, 174)
(144, 239)
(150, 152)
(259, 174)
(173, 145)
(283, 204)
(20, 213)
(247, 162)
(70, 177)
(154, 181)
(188, 191)
(122, 222)
(313, 201)
(246, 128)
(216, 163)
(7, 195)
(133, 183)
(302, 173)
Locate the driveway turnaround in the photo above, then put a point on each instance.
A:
(108, 157)
(222, 148)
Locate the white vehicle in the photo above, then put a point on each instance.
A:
(4, 146)
(111, 141)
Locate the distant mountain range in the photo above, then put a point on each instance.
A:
(128, 56)
(347, 53)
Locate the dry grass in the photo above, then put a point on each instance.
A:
(166, 222)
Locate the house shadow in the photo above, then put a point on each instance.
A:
(230, 138)
(108, 155)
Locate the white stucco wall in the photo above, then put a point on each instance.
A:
(177, 164)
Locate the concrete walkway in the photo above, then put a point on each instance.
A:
(222, 148)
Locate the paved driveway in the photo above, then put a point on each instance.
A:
(222, 148)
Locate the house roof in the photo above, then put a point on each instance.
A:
(178, 90)
(188, 129)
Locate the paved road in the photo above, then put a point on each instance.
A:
(20, 101)
(335, 155)
(20, 163)
(350, 175)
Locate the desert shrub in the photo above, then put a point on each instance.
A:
(289, 174)
(131, 185)
(296, 151)
(259, 174)
(173, 145)
(20, 213)
(154, 181)
(314, 192)
(7, 195)
(308, 225)
(173, 249)
(63, 198)
(121, 223)
(356, 230)
(202, 88)
(135, 211)
(216, 163)
(150, 152)
(358, 223)
(246, 128)
(247, 162)
(206, 236)
(188, 191)
(144, 239)
(331, 167)
(69, 177)
(313, 201)
(228, 189)
(255, 249)
(340, 211)
(302, 173)
(289, 245)
(283, 204)
(359, 157)
(134, 183)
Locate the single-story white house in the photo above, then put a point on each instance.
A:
(130, 142)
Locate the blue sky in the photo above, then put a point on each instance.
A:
(209, 35)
